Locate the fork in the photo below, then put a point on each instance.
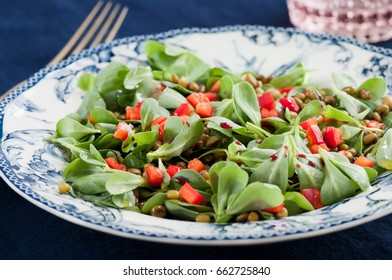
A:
(92, 31)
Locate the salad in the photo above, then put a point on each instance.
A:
(183, 140)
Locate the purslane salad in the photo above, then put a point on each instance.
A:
(182, 140)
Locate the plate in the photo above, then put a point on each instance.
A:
(32, 167)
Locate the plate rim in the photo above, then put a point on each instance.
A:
(35, 78)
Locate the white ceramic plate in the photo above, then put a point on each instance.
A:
(33, 167)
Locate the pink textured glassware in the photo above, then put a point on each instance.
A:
(366, 20)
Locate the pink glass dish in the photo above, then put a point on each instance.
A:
(366, 20)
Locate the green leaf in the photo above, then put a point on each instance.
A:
(277, 166)
(121, 182)
(254, 197)
(101, 115)
(192, 177)
(293, 77)
(384, 151)
(124, 200)
(376, 86)
(352, 105)
(175, 209)
(308, 176)
(170, 99)
(355, 172)
(224, 108)
(180, 62)
(335, 114)
(246, 105)
(111, 77)
(226, 87)
(215, 173)
(299, 199)
(149, 111)
(188, 135)
(91, 184)
(86, 81)
(336, 186)
(232, 180)
(173, 126)
(141, 80)
(158, 198)
(349, 131)
(342, 80)
(67, 127)
(312, 109)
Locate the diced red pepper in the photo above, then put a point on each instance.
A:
(285, 90)
(211, 96)
(267, 101)
(289, 103)
(314, 135)
(90, 119)
(215, 87)
(364, 162)
(121, 132)
(265, 113)
(305, 124)
(204, 109)
(314, 148)
(161, 122)
(154, 176)
(196, 164)
(197, 97)
(275, 209)
(173, 169)
(190, 195)
(332, 136)
(132, 113)
(313, 196)
(114, 164)
(184, 118)
(139, 105)
(374, 124)
(182, 110)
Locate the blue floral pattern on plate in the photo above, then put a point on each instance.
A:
(32, 167)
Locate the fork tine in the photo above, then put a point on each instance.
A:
(75, 37)
(105, 27)
(117, 25)
(82, 44)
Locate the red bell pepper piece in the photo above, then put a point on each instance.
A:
(197, 97)
(267, 101)
(364, 162)
(215, 87)
(289, 103)
(275, 209)
(285, 90)
(374, 124)
(161, 122)
(173, 169)
(313, 196)
(332, 136)
(314, 135)
(196, 164)
(265, 113)
(204, 109)
(314, 148)
(190, 195)
(121, 132)
(114, 164)
(182, 110)
(211, 96)
(132, 113)
(305, 124)
(154, 176)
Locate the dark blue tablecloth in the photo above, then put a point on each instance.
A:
(31, 33)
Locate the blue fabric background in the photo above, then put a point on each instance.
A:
(31, 33)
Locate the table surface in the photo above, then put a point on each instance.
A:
(33, 31)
